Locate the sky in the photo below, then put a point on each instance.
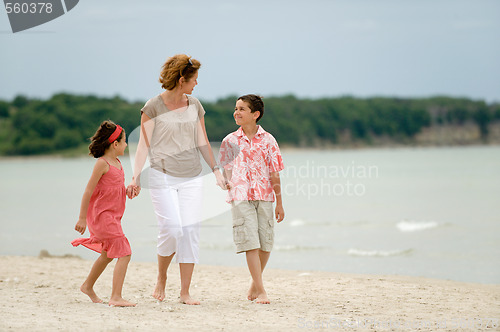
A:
(312, 49)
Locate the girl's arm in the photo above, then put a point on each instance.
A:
(207, 153)
(276, 184)
(147, 128)
(100, 168)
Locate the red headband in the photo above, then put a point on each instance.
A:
(115, 134)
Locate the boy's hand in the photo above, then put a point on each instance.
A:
(279, 212)
(81, 225)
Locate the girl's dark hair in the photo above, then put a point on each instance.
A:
(255, 103)
(99, 143)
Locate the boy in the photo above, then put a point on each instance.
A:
(252, 161)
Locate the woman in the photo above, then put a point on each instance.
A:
(173, 132)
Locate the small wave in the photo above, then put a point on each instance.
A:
(297, 223)
(278, 247)
(415, 226)
(378, 253)
(291, 247)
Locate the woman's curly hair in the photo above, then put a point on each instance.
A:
(180, 65)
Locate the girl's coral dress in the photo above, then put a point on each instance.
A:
(104, 215)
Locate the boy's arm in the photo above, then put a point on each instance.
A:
(276, 183)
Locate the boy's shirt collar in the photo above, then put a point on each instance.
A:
(260, 131)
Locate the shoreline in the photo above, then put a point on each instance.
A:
(43, 293)
(285, 148)
(44, 254)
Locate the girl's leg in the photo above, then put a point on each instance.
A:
(118, 279)
(255, 267)
(163, 264)
(97, 269)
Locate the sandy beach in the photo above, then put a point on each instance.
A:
(43, 294)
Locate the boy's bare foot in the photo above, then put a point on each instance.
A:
(90, 293)
(252, 292)
(262, 299)
(159, 292)
(186, 299)
(121, 303)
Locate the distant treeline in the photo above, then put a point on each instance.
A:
(32, 126)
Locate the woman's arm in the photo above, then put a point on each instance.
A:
(141, 154)
(100, 168)
(207, 153)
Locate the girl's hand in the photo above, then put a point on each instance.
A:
(133, 189)
(81, 225)
(130, 191)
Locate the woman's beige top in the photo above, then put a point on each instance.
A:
(174, 142)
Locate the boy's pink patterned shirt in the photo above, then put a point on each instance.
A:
(251, 163)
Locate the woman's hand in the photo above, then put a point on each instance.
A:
(133, 189)
(81, 225)
(221, 182)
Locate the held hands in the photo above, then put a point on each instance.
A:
(133, 189)
(81, 225)
(221, 182)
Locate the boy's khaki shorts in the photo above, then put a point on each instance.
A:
(253, 225)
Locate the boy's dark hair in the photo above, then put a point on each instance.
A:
(100, 141)
(255, 103)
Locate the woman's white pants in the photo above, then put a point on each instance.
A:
(177, 203)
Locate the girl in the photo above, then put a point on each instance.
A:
(102, 208)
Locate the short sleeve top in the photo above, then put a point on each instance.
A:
(174, 142)
(251, 162)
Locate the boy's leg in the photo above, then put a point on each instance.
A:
(118, 279)
(266, 239)
(97, 269)
(246, 238)
(255, 267)
(264, 258)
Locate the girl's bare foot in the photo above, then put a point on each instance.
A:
(159, 292)
(120, 302)
(186, 299)
(262, 299)
(90, 293)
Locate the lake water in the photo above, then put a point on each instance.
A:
(432, 212)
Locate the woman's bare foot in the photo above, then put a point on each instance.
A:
(159, 292)
(262, 299)
(186, 299)
(90, 293)
(252, 292)
(120, 302)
